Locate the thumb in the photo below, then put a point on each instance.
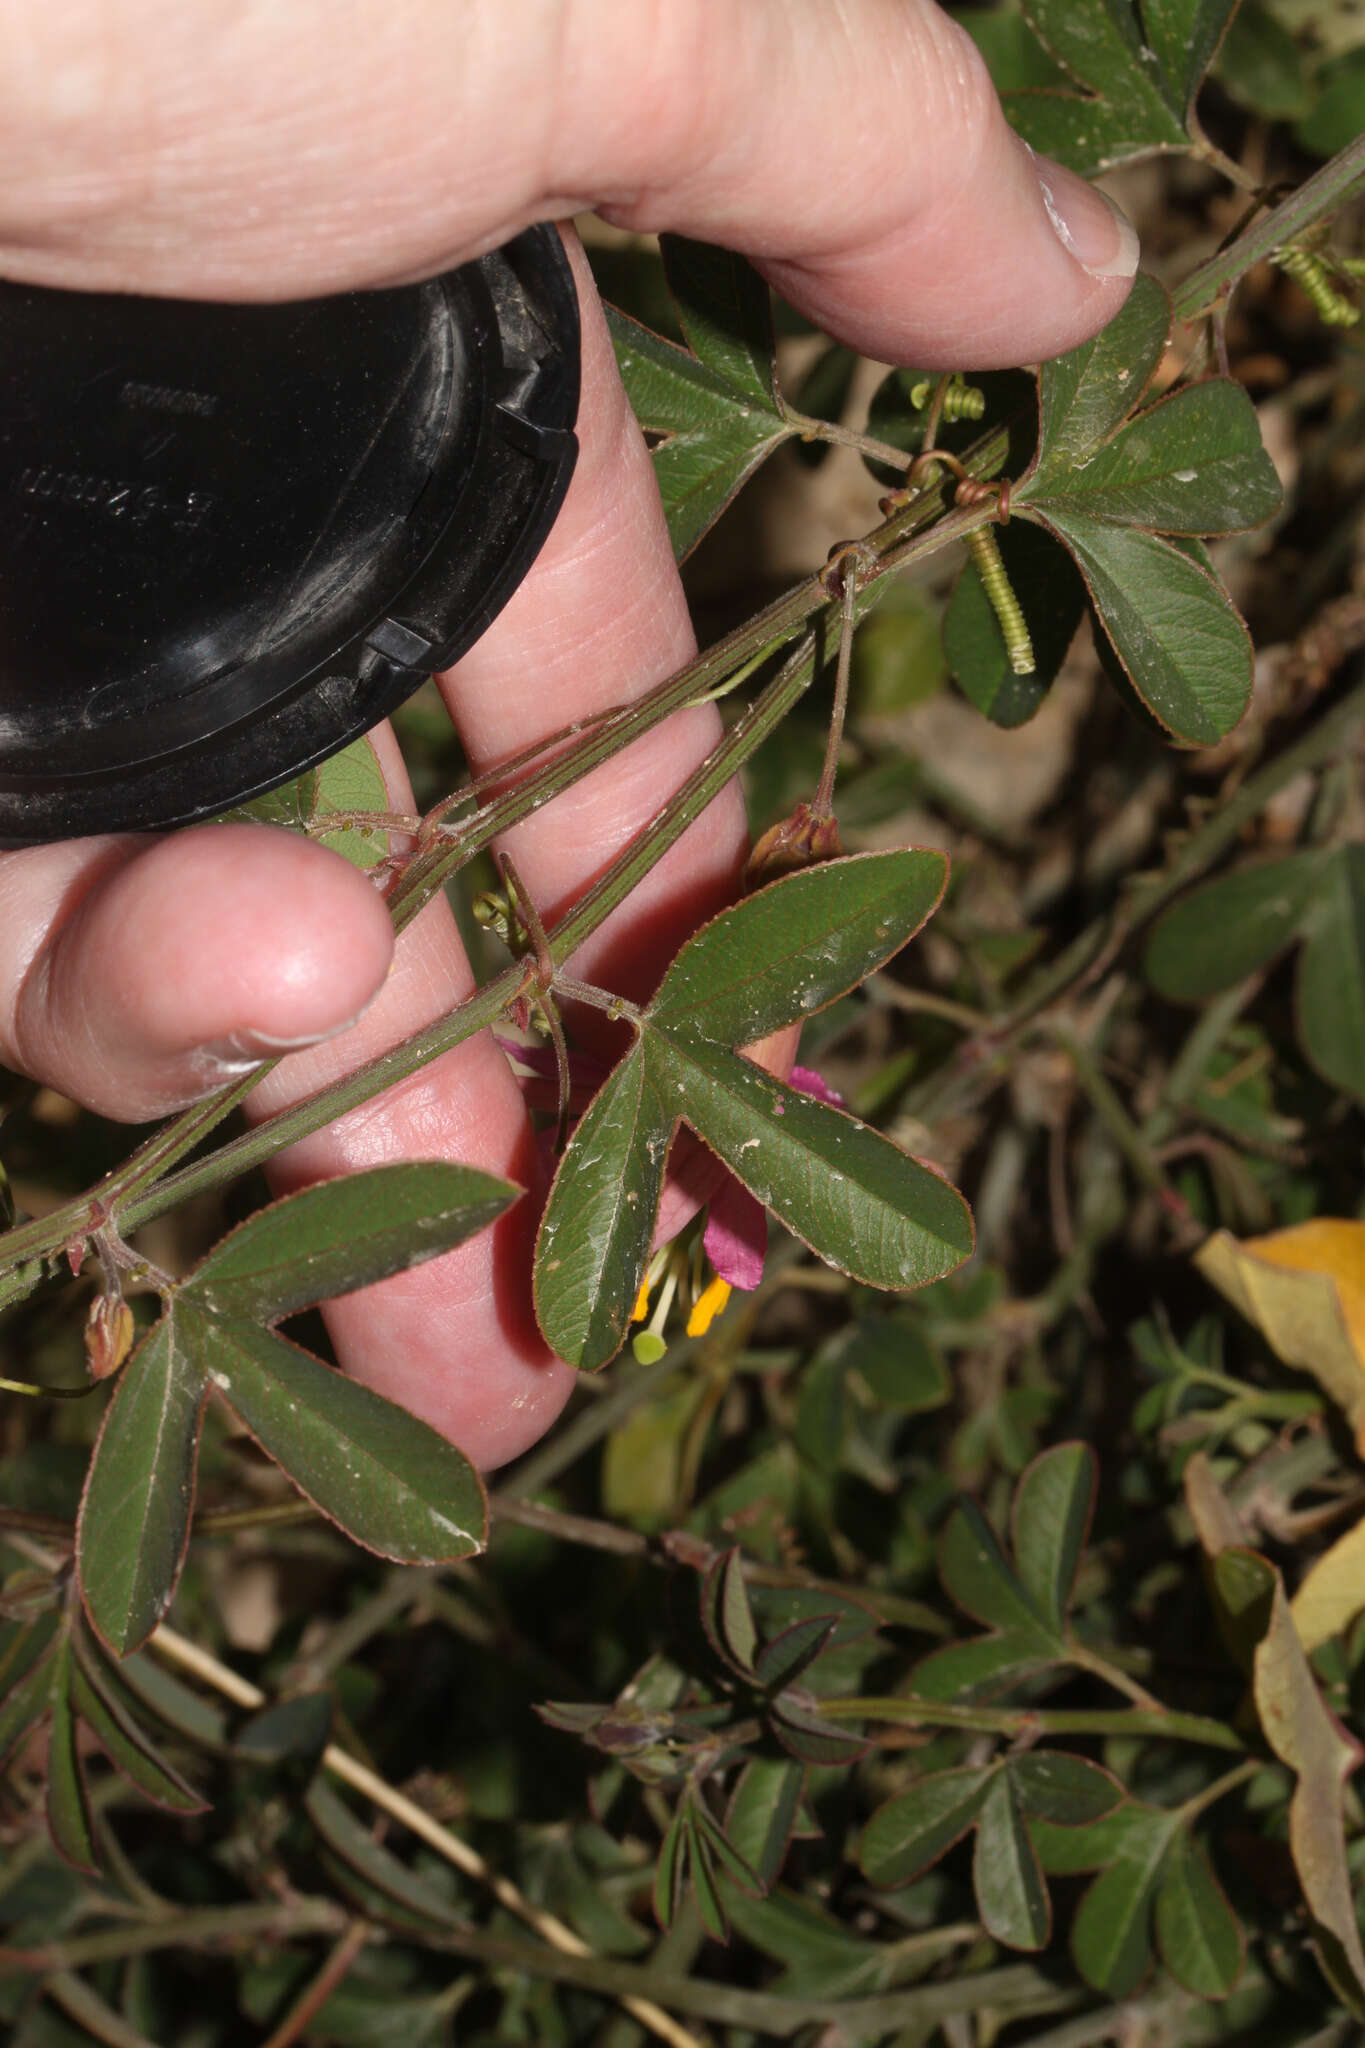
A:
(856, 150)
(860, 155)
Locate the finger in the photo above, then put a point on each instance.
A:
(859, 152)
(455, 1340)
(137, 975)
(601, 618)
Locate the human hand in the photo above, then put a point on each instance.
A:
(858, 154)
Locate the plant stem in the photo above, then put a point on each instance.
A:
(1016, 1989)
(1090, 1660)
(80, 2003)
(823, 806)
(1034, 1721)
(849, 437)
(315, 1994)
(198, 1927)
(666, 1550)
(1116, 1120)
(1319, 197)
(1219, 1789)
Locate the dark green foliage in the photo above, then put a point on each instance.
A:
(391, 1482)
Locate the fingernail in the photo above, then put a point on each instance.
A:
(240, 1051)
(1089, 225)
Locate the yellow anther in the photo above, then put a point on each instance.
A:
(641, 1308)
(707, 1307)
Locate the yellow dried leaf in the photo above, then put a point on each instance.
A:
(1304, 1289)
(1333, 1592)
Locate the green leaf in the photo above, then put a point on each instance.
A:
(820, 1426)
(822, 1958)
(1337, 115)
(779, 1607)
(1067, 1850)
(714, 435)
(701, 1871)
(722, 1853)
(104, 1705)
(909, 1834)
(387, 1479)
(797, 945)
(293, 1730)
(726, 1614)
(1052, 597)
(356, 1846)
(134, 1518)
(898, 1365)
(763, 1812)
(1110, 1935)
(979, 1578)
(986, 1665)
(1138, 88)
(599, 1221)
(349, 781)
(68, 1803)
(1010, 1893)
(1184, 36)
(672, 1868)
(1192, 464)
(1330, 991)
(1227, 929)
(781, 1660)
(189, 1713)
(798, 1726)
(343, 1234)
(644, 1460)
(1178, 639)
(1085, 395)
(726, 315)
(855, 1198)
(1013, 53)
(1053, 1504)
(1262, 67)
(26, 1702)
(1197, 1931)
(1067, 1791)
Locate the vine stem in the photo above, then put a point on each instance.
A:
(1320, 196)
(1100, 1667)
(178, 1649)
(840, 436)
(1034, 1721)
(823, 806)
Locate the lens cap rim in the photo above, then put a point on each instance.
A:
(477, 526)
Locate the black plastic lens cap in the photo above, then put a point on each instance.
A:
(235, 536)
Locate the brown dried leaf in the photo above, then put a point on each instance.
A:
(1304, 1735)
(1304, 1289)
(1333, 1592)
